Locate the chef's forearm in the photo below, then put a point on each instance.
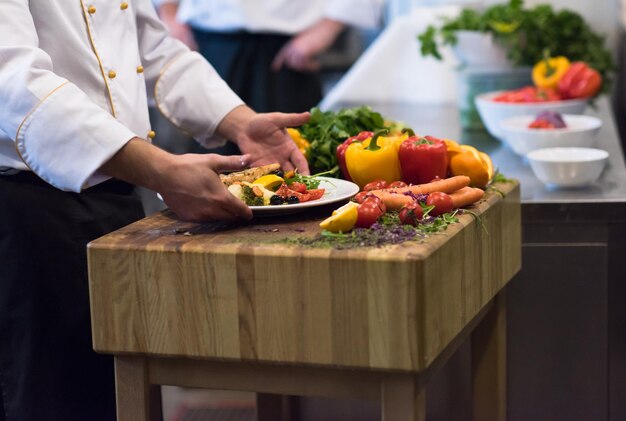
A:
(233, 124)
(140, 163)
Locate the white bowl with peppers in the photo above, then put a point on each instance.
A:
(560, 86)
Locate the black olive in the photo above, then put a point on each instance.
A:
(276, 200)
(280, 173)
(293, 200)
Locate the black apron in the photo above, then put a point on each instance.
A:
(244, 61)
(48, 370)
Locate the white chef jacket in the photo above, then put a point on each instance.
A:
(275, 16)
(75, 78)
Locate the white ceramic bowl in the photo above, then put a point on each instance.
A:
(581, 131)
(493, 113)
(568, 167)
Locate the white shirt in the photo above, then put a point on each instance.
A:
(275, 16)
(75, 78)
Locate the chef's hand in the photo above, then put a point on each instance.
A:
(194, 191)
(263, 137)
(300, 53)
(189, 184)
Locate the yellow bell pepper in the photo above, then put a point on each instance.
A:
(549, 71)
(374, 159)
(302, 144)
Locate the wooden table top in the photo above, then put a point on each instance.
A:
(165, 287)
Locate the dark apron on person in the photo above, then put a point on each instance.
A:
(48, 370)
(244, 61)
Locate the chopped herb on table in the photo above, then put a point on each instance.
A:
(386, 231)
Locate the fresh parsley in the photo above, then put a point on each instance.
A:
(327, 130)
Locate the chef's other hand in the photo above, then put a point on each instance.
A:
(301, 51)
(189, 184)
(194, 191)
(264, 138)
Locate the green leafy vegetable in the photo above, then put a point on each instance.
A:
(327, 130)
(527, 33)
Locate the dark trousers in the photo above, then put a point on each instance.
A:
(244, 61)
(48, 370)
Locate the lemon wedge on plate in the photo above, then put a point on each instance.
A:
(269, 181)
(342, 219)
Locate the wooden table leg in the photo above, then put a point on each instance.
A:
(137, 399)
(489, 364)
(403, 398)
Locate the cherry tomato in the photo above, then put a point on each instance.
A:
(441, 201)
(368, 214)
(299, 187)
(411, 214)
(375, 200)
(360, 196)
(375, 185)
(398, 185)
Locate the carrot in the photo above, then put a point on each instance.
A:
(393, 201)
(447, 185)
(466, 196)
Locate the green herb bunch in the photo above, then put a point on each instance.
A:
(327, 130)
(528, 34)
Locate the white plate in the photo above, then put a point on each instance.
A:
(336, 191)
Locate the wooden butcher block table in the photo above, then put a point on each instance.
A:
(233, 308)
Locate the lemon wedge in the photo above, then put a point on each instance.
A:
(342, 219)
(269, 181)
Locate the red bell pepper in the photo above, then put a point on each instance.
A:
(422, 159)
(341, 151)
(580, 81)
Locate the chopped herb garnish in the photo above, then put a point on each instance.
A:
(388, 230)
(498, 178)
(310, 181)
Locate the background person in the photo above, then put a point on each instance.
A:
(267, 50)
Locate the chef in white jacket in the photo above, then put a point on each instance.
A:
(75, 80)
